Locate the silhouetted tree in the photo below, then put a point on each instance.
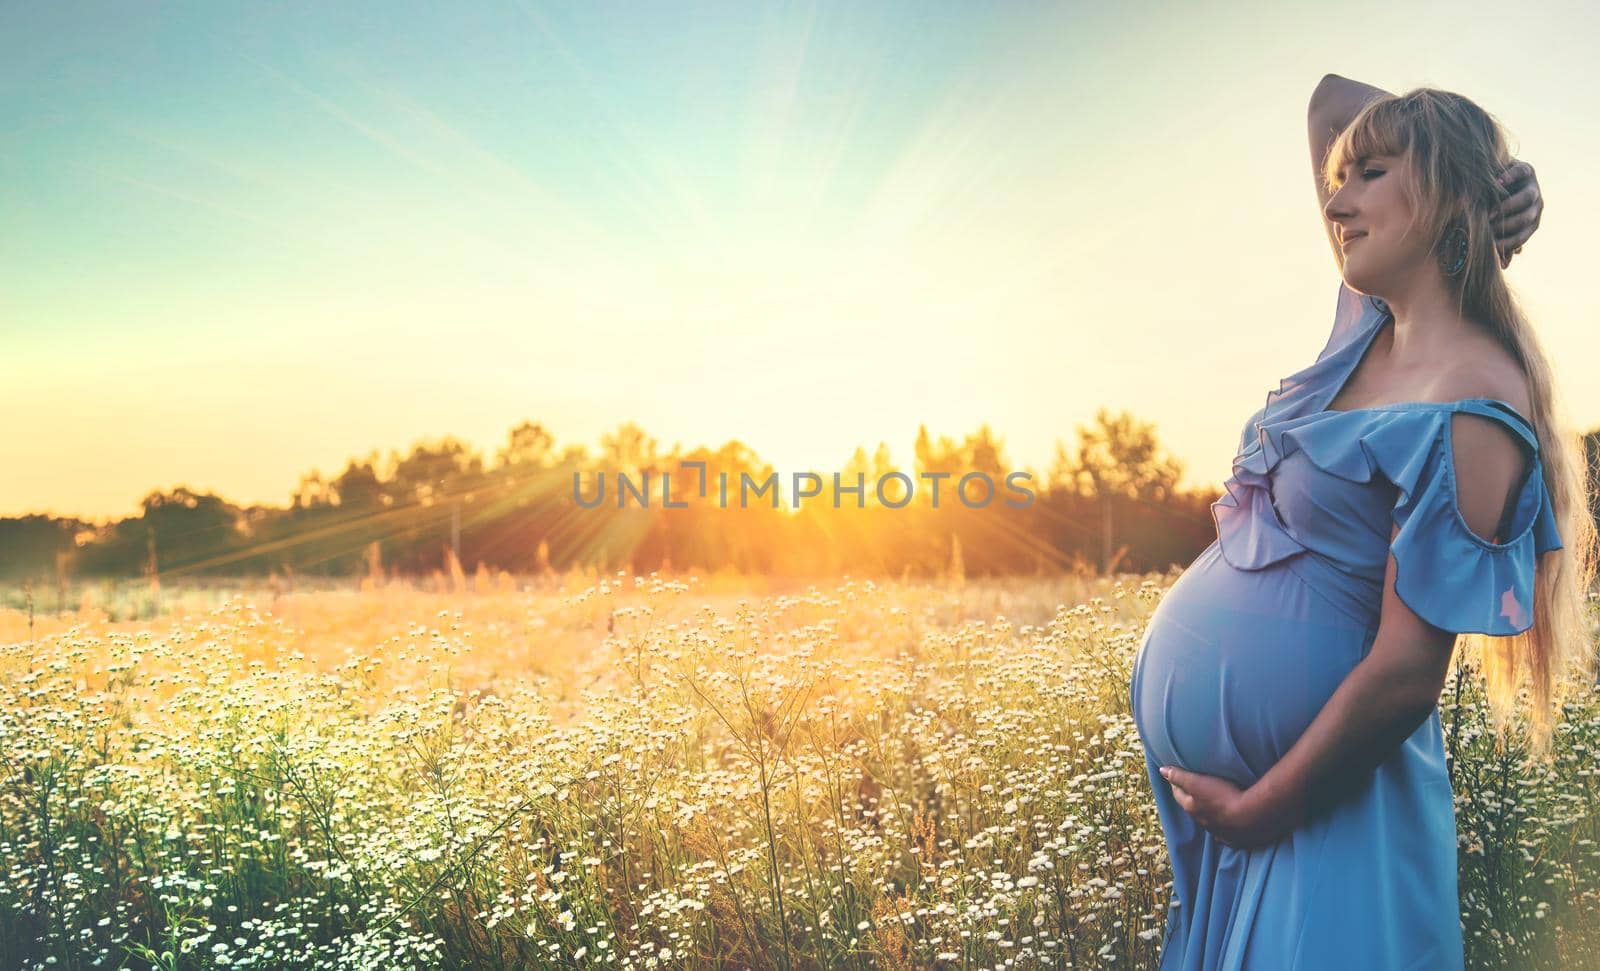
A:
(1120, 457)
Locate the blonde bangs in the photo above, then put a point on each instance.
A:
(1376, 130)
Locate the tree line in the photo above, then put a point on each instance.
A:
(1109, 502)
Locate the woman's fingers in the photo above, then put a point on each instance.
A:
(1509, 249)
(1512, 228)
(1508, 214)
(1520, 194)
(1515, 223)
(1513, 239)
(1517, 171)
(1524, 201)
(1518, 215)
(1184, 798)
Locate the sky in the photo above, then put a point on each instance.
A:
(239, 242)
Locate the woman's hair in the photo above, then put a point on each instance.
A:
(1456, 152)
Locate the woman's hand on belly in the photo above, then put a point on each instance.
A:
(1224, 810)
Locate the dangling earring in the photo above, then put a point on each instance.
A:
(1453, 249)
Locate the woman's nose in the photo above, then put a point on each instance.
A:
(1338, 207)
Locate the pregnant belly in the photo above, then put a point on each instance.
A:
(1235, 664)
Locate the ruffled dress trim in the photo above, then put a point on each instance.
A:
(1448, 575)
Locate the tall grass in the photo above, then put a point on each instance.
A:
(646, 773)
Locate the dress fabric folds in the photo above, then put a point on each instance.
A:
(1248, 645)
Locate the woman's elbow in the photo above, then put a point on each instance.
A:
(1323, 92)
(1417, 689)
(1410, 673)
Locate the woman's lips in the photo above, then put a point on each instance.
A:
(1350, 239)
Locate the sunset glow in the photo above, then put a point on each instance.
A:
(245, 243)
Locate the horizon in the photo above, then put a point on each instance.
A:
(385, 457)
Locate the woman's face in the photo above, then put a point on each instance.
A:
(1372, 215)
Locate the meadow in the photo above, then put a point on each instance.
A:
(650, 772)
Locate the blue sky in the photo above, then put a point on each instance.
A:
(242, 241)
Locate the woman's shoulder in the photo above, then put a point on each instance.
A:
(1483, 367)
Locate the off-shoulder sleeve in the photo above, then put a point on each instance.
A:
(1450, 576)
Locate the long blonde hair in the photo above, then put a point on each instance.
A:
(1456, 152)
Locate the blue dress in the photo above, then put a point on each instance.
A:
(1247, 646)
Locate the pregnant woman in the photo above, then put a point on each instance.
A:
(1408, 486)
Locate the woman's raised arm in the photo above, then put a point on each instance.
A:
(1333, 106)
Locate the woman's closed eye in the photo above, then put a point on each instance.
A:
(1367, 175)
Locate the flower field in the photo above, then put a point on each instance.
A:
(646, 773)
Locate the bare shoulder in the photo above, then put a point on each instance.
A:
(1485, 368)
